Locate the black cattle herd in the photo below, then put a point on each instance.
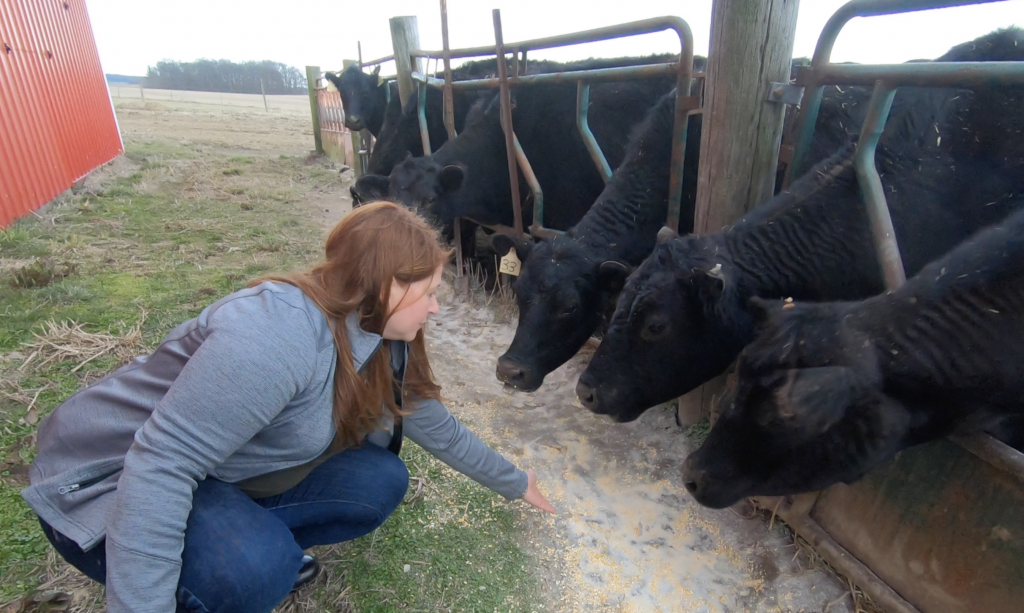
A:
(830, 374)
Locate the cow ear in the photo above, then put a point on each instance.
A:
(405, 157)
(710, 282)
(450, 178)
(815, 399)
(665, 234)
(612, 275)
(376, 71)
(368, 188)
(762, 311)
(502, 243)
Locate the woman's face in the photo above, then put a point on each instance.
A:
(410, 306)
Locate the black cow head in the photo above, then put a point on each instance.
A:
(424, 185)
(359, 96)
(561, 294)
(680, 321)
(368, 188)
(804, 411)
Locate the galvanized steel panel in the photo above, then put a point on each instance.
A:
(56, 118)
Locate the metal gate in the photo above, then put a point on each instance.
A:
(940, 529)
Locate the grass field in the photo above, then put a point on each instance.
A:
(201, 203)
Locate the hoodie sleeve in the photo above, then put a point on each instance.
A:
(258, 353)
(432, 427)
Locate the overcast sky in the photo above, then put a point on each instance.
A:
(134, 34)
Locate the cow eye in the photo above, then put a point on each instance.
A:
(653, 329)
(569, 312)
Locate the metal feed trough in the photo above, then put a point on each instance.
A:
(940, 528)
(685, 104)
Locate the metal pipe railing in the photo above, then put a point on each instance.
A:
(871, 186)
(644, 26)
(421, 116)
(506, 122)
(682, 68)
(594, 149)
(811, 76)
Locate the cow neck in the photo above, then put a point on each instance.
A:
(806, 245)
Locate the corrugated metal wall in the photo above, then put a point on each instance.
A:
(56, 118)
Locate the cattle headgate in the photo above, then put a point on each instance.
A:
(939, 529)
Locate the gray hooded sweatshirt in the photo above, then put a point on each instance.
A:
(244, 389)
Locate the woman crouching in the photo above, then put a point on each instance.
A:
(193, 478)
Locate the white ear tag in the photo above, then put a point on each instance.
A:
(510, 263)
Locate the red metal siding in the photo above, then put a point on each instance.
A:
(56, 118)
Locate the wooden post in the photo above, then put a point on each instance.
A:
(405, 36)
(751, 47)
(142, 92)
(264, 92)
(312, 78)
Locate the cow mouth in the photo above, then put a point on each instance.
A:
(516, 377)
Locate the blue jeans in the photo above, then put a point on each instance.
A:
(243, 555)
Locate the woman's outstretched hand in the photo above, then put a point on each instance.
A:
(533, 495)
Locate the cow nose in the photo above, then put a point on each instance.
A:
(587, 395)
(355, 120)
(693, 477)
(508, 371)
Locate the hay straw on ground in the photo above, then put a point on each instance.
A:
(67, 340)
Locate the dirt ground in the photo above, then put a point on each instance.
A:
(627, 536)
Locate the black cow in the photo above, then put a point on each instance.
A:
(830, 390)
(682, 317)
(363, 97)
(468, 177)
(401, 132)
(567, 281)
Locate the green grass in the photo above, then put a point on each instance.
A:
(458, 542)
(165, 241)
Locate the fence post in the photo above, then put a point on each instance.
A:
(312, 78)
(405, 36)
(264, 92)
(142, 92)
(751, 47)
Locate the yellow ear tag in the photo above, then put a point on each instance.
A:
(510, 263)
(330, 86)
(380, 80)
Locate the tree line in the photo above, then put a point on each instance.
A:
(226, 76)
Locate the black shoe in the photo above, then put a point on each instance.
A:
(310, 569)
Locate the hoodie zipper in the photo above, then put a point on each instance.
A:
(74, 487)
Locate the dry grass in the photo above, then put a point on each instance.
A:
(67, 340)
(806, 557)
(500, 298)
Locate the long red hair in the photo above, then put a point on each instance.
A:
(372, 245)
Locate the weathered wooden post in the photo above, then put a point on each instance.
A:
(405, 36)
(263, 91)
(751, 48)
(312, 78)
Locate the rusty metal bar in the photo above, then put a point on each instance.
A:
(938, 74)
(594, 149)
(621, 73)
(644, 26)
(378, 62)
(449, 101)
(421, 115)
(506, 121)
(871, 185)
(995, 452)
(820, 62)
(536, 228)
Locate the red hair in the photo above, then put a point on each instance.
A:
(372, 245)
